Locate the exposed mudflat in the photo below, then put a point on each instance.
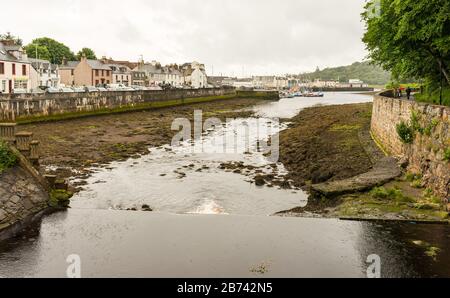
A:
(328, 143)
(328, 150)
(69, 148)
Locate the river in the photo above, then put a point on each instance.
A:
(213, 222)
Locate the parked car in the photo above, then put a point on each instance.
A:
(53, 90)
(125, 88)
(102, 89)
(113, 87)
(79, 89)
(157, 88)
(91, 89)
(137, 88)
(37, 91)
(19, 91)
(67, 90)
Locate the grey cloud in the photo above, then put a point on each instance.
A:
(263, 36)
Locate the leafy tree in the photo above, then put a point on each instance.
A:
(57, 50)
(9, 36)
(90, 54)
(411, 38)
(41, 51)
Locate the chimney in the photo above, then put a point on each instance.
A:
(64, 61)
(83, 57)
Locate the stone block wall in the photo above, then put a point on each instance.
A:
(16, 106)
(21, 196)
(429, 153)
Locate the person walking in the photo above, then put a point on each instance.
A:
(408, 92)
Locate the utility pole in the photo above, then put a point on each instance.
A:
(440, 91)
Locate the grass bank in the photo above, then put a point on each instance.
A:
(433, 96)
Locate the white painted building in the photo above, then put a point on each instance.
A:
(121, 74)
(43, 74)
(270, 82)
(173, 76)
(154, 72)
(14, 68)
(194, 75)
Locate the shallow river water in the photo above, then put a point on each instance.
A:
(212, 222)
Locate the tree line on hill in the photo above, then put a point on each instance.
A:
(365, 71)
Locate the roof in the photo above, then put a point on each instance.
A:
(5, 55)
(40, 63)
(70, 65)
(149, 68)
(128, 64)
(118, 67)
(97, 64)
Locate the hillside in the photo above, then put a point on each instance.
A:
(364, 71)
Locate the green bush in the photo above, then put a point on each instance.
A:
(415, 122)
(417, 183)
(392, 194)
(447, 154)
(412, 176)
(60, 198)
(405, 132)
(7, 158)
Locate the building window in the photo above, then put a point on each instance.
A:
(72, 72)
(14, 69)
(107, 82)
(20, 84)
(24, 70)
(96, 82)
(96, 72)
(2, 68)
(103, 73)
(3, 86)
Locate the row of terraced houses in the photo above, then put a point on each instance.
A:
(18, 72)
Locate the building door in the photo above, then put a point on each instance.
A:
(9, 86)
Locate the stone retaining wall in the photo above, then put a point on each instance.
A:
(428, 153)
(21, 196)
(24, 192)
(13, 107)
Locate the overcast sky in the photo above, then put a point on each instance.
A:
(234, 37)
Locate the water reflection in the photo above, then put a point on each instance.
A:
(115, 244)
(396, 244)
